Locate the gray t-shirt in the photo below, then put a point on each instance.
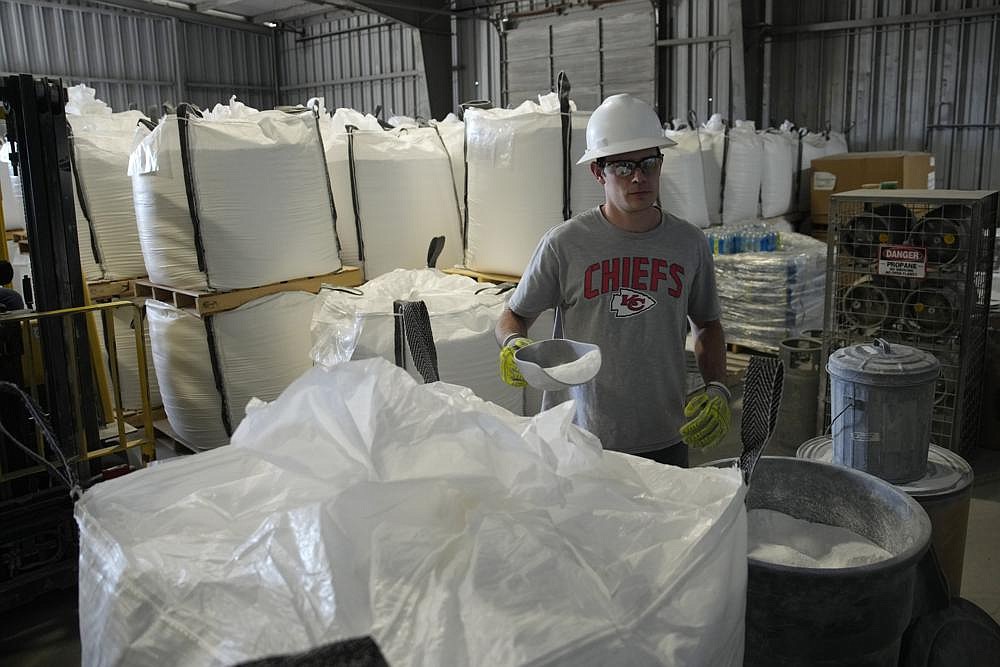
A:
(631, 294)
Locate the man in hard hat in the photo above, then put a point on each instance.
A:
(629, 278)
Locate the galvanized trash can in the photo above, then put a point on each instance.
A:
(882, 399)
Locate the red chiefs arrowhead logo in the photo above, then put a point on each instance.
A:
(626, 302)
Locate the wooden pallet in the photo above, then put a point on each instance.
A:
(134, 417)
(20, 237)
(481, 276)
(108, 290)
(209, 303)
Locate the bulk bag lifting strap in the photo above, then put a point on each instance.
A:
(218, 375)
(563, 89)
(183, 128)
(412, 328)
(84, 206)
(326, 172)
(354, 190)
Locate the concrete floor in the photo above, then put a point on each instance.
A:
(46, 632)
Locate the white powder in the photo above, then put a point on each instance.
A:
(776, 537)
(577, 371)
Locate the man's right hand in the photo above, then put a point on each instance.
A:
(509, 372)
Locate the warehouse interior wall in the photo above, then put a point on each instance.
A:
(138, 60)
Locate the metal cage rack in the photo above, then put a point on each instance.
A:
(914, 267)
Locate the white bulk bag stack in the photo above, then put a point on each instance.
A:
(452, 131)
(261, 195)
(778, 171)
(814, 146)
(359, 324)
(361, 503)
(209, 368)
(10, 189)
(126, 321)
(713, 142)
(744, 155)
(335, 146)
(106, 219)
(584, 191)
(682, 179)
(515, 195)
(405, 196)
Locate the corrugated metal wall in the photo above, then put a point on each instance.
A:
(361, 61)
(914, 75)
(604, 49)
(135, 60)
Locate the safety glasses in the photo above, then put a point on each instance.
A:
(625, 168)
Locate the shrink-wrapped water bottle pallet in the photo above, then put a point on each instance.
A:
(209, 303)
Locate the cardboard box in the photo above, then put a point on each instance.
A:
(850, 171)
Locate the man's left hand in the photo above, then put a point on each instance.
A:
(709, 416)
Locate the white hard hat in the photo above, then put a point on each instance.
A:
(623, 124)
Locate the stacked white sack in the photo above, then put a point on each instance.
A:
(262, 198)
(778, 170)
(515, 195)
(106, 217)
(10, 189)
(260, 348)
(404, 191)
(360, 324)
(682, 178)
(452, 131)
(584, 191)
(449, 530)
(126, 321)
(740, 153)
(814, 146)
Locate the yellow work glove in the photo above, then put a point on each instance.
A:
(709, 416)
(509, 372)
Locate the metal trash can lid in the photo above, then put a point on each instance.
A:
(946, 470)
(880, 363)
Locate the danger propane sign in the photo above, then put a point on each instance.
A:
(902, 260)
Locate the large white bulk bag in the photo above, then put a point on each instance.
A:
(814, 146)
(209, 368)
(106, 221)
(361, 503)
(359, 324)
(10, 189)
(452, 131)
(777, 172)
(126, 321)
(744, 152)
(682, 179)
(515, 195)
(404, 196)
(585, 192)
(335, 146)
(262, 198)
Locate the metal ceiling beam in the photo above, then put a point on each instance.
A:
(185, 15)
(212, 4)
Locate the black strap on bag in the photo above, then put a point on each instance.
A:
(326, 171)
(82, 198)
(434, 249)
(722, 180)
(563, 88)
(799, 171)
(355, 202)
(220, 382)
(412, 328)
(454, 185)
(183, 127)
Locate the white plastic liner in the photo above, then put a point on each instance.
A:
(406, 196)
(769, 296)
(10, 188)
(463, 314)
(262, 196)
(682, 179)
(363, 503)
(777, 172)
(102, 144)
(126, 321)
(261, 348)
(515, 195)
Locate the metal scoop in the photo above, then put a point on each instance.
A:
(560, 363)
